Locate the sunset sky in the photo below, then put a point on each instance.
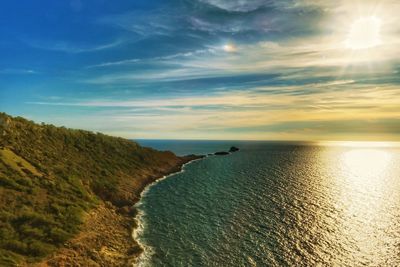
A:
(205, 69)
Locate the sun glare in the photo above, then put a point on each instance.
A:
(229, 48)
(364, 33)
(366, 162)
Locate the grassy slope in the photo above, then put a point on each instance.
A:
(50, 177)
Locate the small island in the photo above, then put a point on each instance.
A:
(224, 153)
(221, 153)
(233, 149)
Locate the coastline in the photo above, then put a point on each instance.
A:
(85, 196)
(139, 225)
(109, 234)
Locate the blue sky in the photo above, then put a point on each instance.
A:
(205, 69)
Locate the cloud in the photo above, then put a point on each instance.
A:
(145, 23)
(238, 5)
(292, 60)
(253, 114)
(253, 5)
(234, 25)
(153, 59)
(151, 76)
(73, 48)
(331, 95)
(18, 71)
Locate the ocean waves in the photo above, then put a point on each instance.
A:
(276, 205)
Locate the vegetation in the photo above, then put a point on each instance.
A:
(50, 177)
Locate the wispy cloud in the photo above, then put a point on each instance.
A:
(334, 96)
(144, 24)
(18, 71)
(253, 114)
(153, 59)
(68, 47)
(290, 60)
(237, 5)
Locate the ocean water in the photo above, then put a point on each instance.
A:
(275, 204)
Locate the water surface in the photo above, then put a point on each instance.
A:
(276, 204)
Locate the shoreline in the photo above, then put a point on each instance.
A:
(107, 236)
(138, 226)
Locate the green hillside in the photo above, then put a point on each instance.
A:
(50, 177)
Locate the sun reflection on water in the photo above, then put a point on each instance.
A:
(365, 181)
(366, 163)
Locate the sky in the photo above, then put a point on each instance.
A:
(205, 69)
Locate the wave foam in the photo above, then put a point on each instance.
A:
(145, 257)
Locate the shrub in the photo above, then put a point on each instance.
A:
(8, 258)
(34, 219)
(16, 246)
(31, 232)
(9, 183)
(39, 249)
(59, 236)
(6, 232)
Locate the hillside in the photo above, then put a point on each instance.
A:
(67, 196)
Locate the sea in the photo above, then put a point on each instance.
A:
(274, 204)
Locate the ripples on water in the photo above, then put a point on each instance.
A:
(276, 204)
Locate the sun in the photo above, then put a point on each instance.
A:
(364, 33)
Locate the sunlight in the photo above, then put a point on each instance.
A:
(365, 163)
(360, 144)
(364, 33)
(366, 183)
